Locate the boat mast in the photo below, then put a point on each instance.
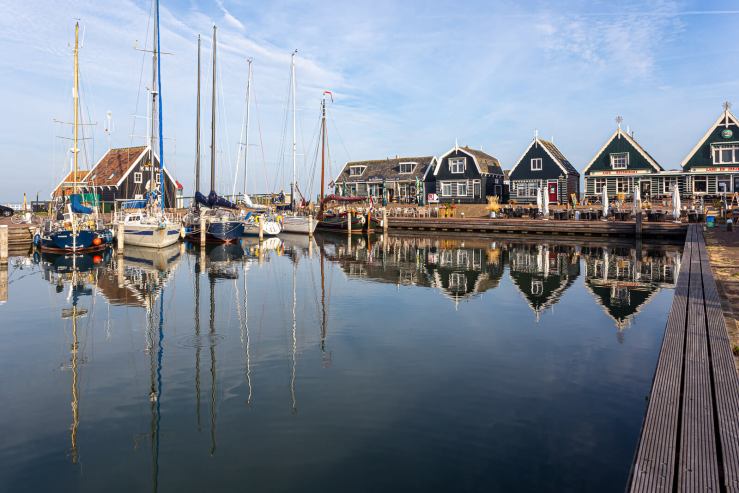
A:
(76, 102)
(246, 132)
(159, 91)
(293, 185)
(152, 131)
(197, 129)
(213, 120)
(323, 151)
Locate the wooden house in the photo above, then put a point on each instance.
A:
(398, 180)
(465, 175)
(542, 165)
(712, 166)
(621, 165)
(124, 174)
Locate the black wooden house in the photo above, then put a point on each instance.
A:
(465, 175)
(542, 165)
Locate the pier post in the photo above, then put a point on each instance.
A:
(261, 229)
(638, 225)
(349, 222)
(3, 283)
(120, 270)
(384, 220)
(120, 233)
(203, 229)
(4, 244)
(310, 226)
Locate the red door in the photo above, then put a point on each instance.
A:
(552, 188)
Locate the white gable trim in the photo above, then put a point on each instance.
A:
(546, 149)
(133, 165)
(720, 121)
(631, 141)
(452, 150)
(432, 165)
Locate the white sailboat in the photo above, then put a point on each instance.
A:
(292, 222)
(147, 225)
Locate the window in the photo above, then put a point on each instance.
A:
(620, 160)
(458, 281)
(462, 189)
(406, 168)
(446, 189)
(375, 189)
(533, 190)
(158, 178)
(138, 177)
(356, 170)
(457, 164)
(536, 164)
(725, 153)
(476, 187)
(622, 185)
(668, 183)
(700, 184)
(723, 183)
(598, 184)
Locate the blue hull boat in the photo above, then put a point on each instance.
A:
(67, 241)
(221, 232)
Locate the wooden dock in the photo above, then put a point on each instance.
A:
(539, 226)
(690, 436)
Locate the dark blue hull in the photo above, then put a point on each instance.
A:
(222, 232)
(66, 241)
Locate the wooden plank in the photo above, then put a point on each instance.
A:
(654, 466)
(698, 468)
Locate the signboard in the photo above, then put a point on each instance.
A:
(432, 198)
(727, 133)
(716, 169)
(620, 172)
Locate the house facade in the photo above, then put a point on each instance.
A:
(712, 166)
(621, 166)
(464, 175)
(542, 165)
(394, 180)
(124, 174)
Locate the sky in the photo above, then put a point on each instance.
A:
(408, 78)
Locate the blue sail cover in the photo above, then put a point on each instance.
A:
(76, 201)
(201, 199)
(214, 200)
(140, 203)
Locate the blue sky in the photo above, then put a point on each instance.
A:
(408, 78)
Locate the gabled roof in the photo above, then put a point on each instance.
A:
(68, 182)
(386, 169)
(725, 119)
(484, 162)
(553, 152)
(625, 135)
(114, 165)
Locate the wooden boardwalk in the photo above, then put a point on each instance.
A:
(690, 436)
(538, 226)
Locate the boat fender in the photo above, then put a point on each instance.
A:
(97, 241)
(37, 239)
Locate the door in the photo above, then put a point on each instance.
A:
(736, 183)
(646, 189)
(552, 189)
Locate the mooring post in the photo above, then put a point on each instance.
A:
(310, 226)
(4, 244)
(120, 270)
(349, 222)
(261, 229)
(384, 219)
(120, 233)
(638, 225)
(3, 283)
(203, 229)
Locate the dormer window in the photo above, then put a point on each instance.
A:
(725, 153)
(356, 170)
(457, 165)
(620, 160)
(536, 164)
(406, 168)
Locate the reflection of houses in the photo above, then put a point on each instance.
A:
(622, 283)
(542, 273)
(399, 180)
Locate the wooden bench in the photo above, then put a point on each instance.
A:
(690, 435)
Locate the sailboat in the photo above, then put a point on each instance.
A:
(78, 229)
(147, 224)
(253, 215)
(292, 222)
(213, 212)
(330, 220)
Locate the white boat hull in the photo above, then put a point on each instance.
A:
(271, 228)
(151, 235)
(298, 224)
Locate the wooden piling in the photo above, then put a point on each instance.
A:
(120, 234)
(310, 226)
(638, 225)
(261, 229)
(349, 222)
(384, 220)
(3, 283)
(120, 270)
(3, 244)
(203, 229)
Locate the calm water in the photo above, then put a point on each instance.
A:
(413, 364)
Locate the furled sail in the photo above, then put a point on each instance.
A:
(75, 201)
(214, 200)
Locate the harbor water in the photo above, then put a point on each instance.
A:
(398, 363)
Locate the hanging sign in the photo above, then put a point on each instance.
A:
(727, 133)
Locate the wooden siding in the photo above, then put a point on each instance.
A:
(619, 144)
(702, 156)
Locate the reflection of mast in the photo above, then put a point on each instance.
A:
(156, 395)
(295, 344)
(75, 386)
(198, 269)
(244, 325)
(212, 367)
(323, 302)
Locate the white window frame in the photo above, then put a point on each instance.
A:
(138, 177)
(457, 165)
(622, 185)
(717, 153)
(667, 183)
(157, 178)
(458, 281)
(702, 178)
(619, 160)
(723, 179)
(598, 184)
(446, 189)
(462, 184)
(356, 170)
(536, 164)
(409, 163)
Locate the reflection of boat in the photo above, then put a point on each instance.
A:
(161, 259)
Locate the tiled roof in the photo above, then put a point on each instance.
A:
(67, 183)
(113, 165)
(559, 156)
(386, 169)
(488, 163)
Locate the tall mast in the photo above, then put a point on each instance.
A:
(159, 91)
(197, 129)
(213, 120)
(293, 185)
(152, 134)
(76, 100)
(246, 141)
(323, 149)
